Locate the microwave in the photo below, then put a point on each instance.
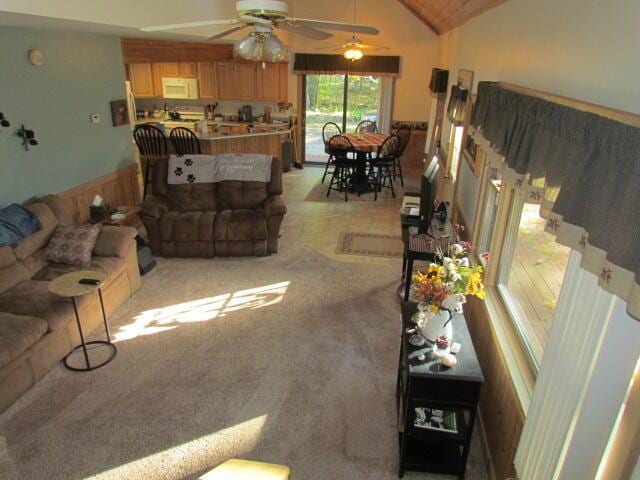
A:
(179, 88)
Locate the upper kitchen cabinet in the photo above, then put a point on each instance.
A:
(225, 78)
(142, 81)
(188, 69)
(207, 80)
(273, 82)
(246, 81)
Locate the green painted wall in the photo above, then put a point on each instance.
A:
(81, 74)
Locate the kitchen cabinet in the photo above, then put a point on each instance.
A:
(284, 82)
(268, 82)
(225, 78)
(207, 80)
(246, 81)
(188, 69)
(141, 78)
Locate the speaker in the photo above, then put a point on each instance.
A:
(439, 80)
(286, 154)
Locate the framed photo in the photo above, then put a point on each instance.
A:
(119, 113)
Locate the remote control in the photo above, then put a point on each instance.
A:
(89, 281)
(455, 348)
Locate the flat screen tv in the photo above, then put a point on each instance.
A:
(428, 192)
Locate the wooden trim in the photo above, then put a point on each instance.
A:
(612, 113)
(138, 50)
(119, 188)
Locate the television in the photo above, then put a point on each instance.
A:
(439, 80)
(428, 192)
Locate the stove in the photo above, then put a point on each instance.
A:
(191, 113)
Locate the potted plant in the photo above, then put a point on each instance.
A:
(442, 289)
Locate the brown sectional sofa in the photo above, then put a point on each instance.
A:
(229, 218)
(37, 329)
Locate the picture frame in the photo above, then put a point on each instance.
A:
(119, 113)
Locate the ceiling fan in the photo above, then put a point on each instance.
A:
(353, 48)
(264, 16)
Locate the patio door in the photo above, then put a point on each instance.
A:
(345, 100)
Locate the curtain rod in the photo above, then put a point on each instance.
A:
(612, 113)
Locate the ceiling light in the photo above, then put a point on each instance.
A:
(261, 46)
(353, 54)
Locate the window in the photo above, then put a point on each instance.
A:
(530, 273)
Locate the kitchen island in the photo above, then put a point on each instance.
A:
(258, 142)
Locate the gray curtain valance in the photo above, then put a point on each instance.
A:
(582, 168)
(373, 65)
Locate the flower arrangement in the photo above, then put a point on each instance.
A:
(444, 287)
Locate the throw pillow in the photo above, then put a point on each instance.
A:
(73, 245)
(16, 223)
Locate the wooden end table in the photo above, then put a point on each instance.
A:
(67, 286)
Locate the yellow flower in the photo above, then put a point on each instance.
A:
(434, 308)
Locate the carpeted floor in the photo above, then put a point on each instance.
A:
(288, 359)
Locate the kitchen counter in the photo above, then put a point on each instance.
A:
(221, 136)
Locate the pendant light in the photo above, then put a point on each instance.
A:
(261, 45)
(354, 53)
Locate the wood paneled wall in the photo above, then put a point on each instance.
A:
(135, 50)
(501, 415)
(119, 188)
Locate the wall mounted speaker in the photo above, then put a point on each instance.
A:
(439, 80)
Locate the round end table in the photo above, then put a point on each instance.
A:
(69, 286)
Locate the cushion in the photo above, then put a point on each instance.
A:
(32, 298)
(240, 225)
(7, 257)
(16, 223)
(233, 194)
(199, 197)
(72, 245)
(114, 241)
(17, 333)
(31, 244)
(61, 208)
(13, 275)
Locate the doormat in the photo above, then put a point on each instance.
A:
(370, 245)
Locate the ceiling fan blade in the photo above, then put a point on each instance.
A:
(367, 46)
(228, 31)
(347, 27)
(305, 31)
(340, 46)
(178, 26)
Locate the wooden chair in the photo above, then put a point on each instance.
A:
(343, 166)
(184, 141)
(405, 135)
(367, 126)
(152, 144)
(382, 165)
(329, 130)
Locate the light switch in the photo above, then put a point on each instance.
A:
(95, 118)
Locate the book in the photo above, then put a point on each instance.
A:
(434, 419)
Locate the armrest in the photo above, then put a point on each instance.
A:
(114, 241)
(154, 207)
(274, 206)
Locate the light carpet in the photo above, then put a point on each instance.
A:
(288, 359)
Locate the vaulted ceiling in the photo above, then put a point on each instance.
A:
(444, 15)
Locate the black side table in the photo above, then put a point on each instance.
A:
(67, 286)
(428, 384)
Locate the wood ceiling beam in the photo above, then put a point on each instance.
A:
(420, 16)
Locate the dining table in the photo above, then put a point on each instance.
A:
(364, 144)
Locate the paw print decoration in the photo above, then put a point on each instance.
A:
(191, 178)
(188, 162)
(178, 171)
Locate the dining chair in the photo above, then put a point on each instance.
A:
(367, 126)
(405, 135)
(184, 141)
(152, 144)
(343, 166)
(382, 165)
(329, 130)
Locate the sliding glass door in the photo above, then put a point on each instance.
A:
(342, 99)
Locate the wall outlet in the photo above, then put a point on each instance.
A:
(95, 118)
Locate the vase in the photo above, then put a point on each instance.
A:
(435, 325)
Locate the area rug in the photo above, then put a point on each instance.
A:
(370, 245)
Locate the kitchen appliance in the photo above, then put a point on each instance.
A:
(173, 87)
(131, 105)
(246, 114)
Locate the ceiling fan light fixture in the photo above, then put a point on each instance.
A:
(274, 49)
(250, 47)
(353, 54)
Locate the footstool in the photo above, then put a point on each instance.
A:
(236, 469)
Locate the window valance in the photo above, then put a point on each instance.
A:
(369, 65)
(583, 169)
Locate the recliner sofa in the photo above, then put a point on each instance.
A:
(228, 218)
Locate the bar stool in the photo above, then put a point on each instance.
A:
(152, 144)
(184, 141)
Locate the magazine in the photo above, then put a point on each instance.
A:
(434, 419)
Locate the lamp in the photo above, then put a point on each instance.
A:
(353, 54)
(261, 45)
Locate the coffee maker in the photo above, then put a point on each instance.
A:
(246, 114)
